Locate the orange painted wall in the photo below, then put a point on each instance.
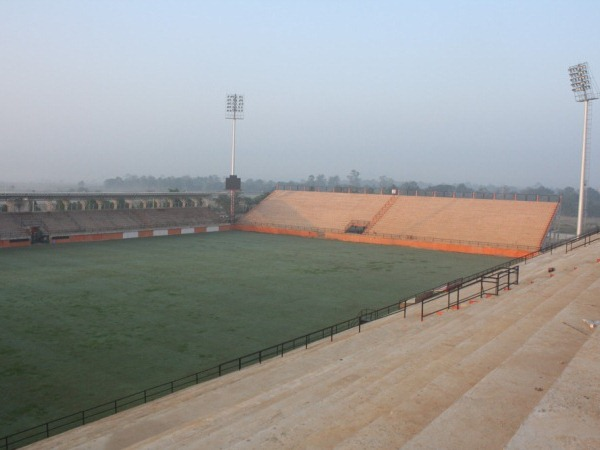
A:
(89, 238)
(272, 230)
(92, 237)
(9, 244)
(438, 246)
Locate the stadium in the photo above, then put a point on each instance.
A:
(152, 298)
(485, 342)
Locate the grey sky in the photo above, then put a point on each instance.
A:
(437, 91)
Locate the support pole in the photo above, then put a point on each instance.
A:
(232, 208)
(582, 181)
(233, 148)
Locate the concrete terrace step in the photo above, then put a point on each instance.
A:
(568, 414)
(418, 408)
(516, 386)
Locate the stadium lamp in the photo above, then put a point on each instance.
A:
(582, 85)
(235, 112)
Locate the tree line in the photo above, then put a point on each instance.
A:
(253, 187)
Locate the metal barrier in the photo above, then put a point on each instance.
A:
(553, 198)
(499, 280)
(499, 277)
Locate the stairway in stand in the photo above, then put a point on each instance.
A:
(385, 208)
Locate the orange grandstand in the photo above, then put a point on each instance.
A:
(509, 228)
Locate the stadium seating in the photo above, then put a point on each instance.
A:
(11, 226)
(65, 222)
(506, 222)
(498, 223)
(322, 210)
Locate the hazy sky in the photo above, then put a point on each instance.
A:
(434, 91)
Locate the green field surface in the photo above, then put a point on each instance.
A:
(84, 324)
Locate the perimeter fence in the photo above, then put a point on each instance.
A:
(482, 195)
(449, 295)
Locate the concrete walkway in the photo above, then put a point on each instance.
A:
(521, 370)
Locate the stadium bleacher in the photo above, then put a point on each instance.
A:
(11, 227)
(514, 224)
(88, 221)
(497, 221)
(322, 210)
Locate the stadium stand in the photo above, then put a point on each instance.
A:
(470, 225)
(11, 226)
(102, 221)
(506, 222)
(315, 210)
(516, 371)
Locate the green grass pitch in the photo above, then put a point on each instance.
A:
(83, 324)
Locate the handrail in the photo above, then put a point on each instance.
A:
(54, 427)
(554, 198)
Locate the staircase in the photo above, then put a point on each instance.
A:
(377, 217)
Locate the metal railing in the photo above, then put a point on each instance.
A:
(554, 198)
(500, 276)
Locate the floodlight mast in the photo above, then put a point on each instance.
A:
(582, 85)
(235, 112)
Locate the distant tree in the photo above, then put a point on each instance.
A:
(247, 203)
(223, 203)
(569, 204)
(321, 181)
(114, 184)
(409, 186)
(333, 181)
(592, 202)
(354, 178)
(538, 189)
(443, 188)
(385, 182)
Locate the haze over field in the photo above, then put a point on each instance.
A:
(442, 92)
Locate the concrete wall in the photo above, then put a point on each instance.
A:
(366, 239)
(94, 237)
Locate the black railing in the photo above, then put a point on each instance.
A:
(491, 280)
(489, 284)
(554, 198)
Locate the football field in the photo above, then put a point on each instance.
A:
(84, 324)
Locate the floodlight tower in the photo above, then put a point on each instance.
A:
(583, 87)
(235, 111)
